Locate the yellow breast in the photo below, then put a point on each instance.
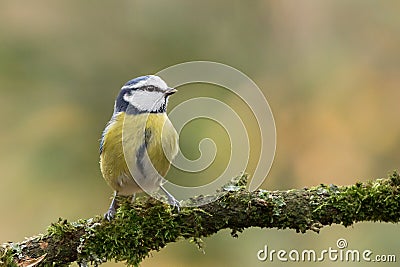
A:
(125, 136)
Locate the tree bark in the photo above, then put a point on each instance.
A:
(148, 224)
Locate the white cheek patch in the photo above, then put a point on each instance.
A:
(146, 101)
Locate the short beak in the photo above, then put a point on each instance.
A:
(170, 91)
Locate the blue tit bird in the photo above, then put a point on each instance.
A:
(139, 141)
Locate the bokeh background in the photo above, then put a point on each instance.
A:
(329, 69)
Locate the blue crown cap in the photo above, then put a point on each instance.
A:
(136, 80)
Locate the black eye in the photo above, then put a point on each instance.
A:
(150, 88)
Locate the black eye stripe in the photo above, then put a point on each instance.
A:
(150, 88)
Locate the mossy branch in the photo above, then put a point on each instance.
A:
(150, 225)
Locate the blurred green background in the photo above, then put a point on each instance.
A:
(329, 69)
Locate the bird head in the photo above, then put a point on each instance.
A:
(144, 94)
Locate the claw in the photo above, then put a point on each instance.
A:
(109, 215)
(171, 200)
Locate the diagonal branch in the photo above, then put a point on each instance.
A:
(150, 225)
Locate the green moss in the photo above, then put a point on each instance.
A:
(373, 201)
(395, 178)
(60, 227)
(7, 257)
(132, 234)
(148, 224)
(158, 225)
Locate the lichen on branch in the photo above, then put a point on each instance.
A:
(147, 224)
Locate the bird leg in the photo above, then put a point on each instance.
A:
(109, 215)
(171, 200)
(133, 198)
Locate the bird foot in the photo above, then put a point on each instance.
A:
(171, 200)
(112, 210)
(109, 215)
(174, 203)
